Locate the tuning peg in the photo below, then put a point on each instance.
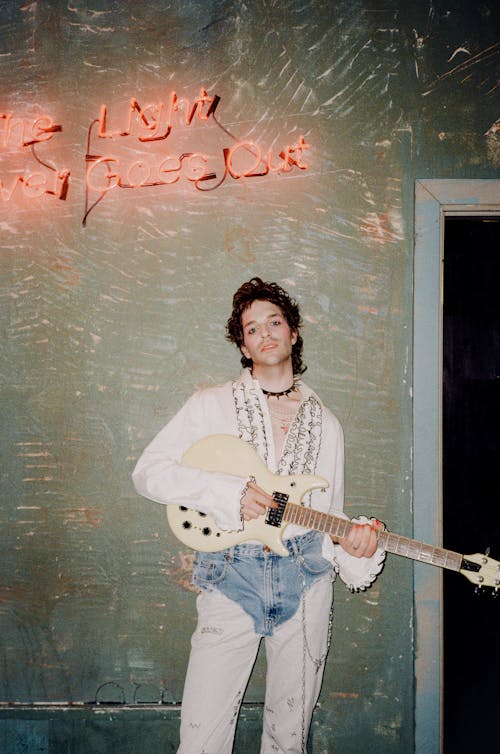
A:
(486, 555)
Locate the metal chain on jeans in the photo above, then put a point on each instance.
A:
(306, 653)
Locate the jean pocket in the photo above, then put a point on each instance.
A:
(209, 569)
(311, 561)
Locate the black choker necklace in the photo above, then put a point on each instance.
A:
(270, 394)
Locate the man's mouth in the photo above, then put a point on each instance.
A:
(269, 346)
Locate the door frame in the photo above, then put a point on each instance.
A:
(434, 200)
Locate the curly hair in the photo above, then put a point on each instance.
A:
(258, 290)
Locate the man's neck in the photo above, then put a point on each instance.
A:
(274, 378)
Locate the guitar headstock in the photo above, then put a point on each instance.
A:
(481, 570)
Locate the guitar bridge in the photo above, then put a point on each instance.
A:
(274, 516)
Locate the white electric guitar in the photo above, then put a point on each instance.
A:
(228, 454)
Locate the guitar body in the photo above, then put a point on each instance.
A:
(230, 455)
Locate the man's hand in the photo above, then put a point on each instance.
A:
(255, 501)
(362, 539)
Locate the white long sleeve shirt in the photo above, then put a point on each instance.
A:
(314, 444)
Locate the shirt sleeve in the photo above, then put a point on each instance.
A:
(357, 573)
(160, 476)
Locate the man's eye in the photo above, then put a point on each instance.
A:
(276, 322)
(251, 330)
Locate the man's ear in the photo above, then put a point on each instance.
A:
(295, 335)
(246, 353)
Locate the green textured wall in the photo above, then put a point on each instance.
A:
(114, 303)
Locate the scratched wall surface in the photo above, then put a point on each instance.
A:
(114, 295)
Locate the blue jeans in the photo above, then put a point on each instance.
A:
(267, 586)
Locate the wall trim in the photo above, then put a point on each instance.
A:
(434, 199)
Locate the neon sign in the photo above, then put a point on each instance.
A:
(24, 134)
(159, 119)
(143, 148)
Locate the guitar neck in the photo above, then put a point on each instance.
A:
(404, 546)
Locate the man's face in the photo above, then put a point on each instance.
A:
(267, 336)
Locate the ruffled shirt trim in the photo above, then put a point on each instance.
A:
(303, 442)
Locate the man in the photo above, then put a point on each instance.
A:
(248, 592)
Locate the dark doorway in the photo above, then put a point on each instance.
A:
(471, 463)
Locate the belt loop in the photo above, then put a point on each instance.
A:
(294, 545)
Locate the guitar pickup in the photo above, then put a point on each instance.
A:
(274, 516)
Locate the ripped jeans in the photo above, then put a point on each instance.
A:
(248, 593)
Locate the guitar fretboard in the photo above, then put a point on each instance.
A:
(339, 527)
